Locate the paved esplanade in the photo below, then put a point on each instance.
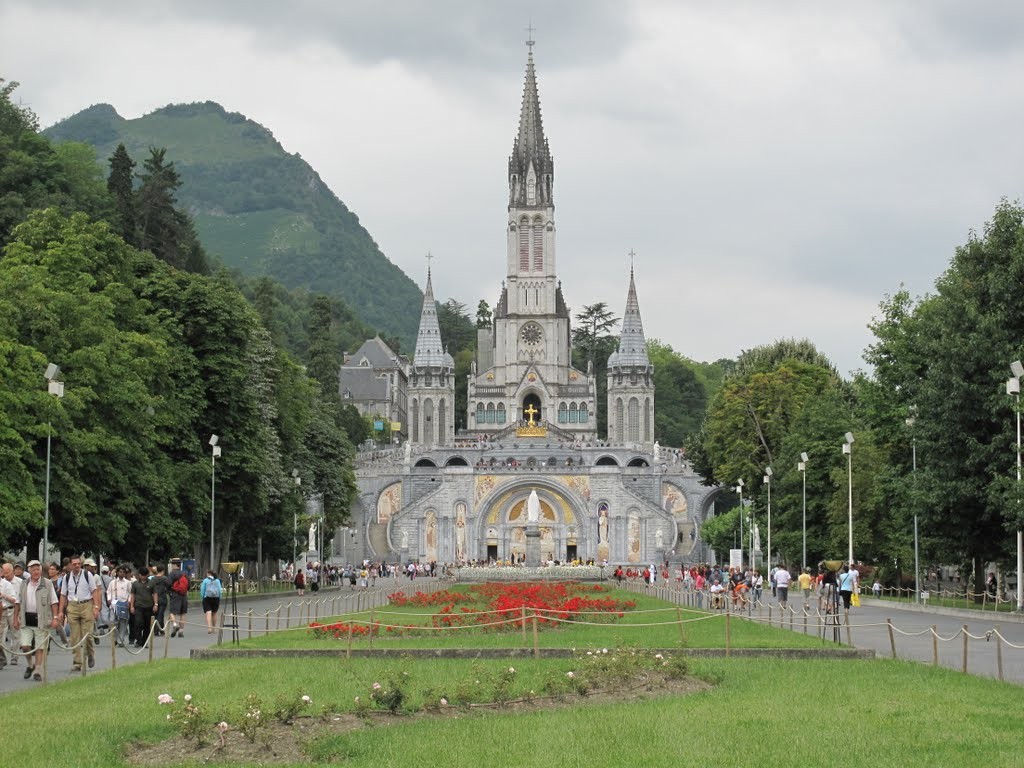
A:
(867, 630)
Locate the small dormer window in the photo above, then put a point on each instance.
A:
(531, 187)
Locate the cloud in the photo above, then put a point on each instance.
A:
(777, 168)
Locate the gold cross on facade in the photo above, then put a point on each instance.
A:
(531, 411)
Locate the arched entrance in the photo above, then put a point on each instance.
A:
(563, 529)
(531, 412)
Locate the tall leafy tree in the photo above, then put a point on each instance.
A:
(594, 340)
(680, 396)
(949, 355)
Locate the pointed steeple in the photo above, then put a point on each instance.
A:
(632, 343)
(429, 347)
(530, 168)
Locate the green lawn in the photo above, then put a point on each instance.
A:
(758, 711)
(652, 624)
(772, 712)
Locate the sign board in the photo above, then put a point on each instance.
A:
(735, 558)
(378, 425)
(396, 426)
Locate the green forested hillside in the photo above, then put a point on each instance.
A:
(258, 208)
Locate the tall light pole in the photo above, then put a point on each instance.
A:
(55, 388)
(213, 492)
(802, 466)
(739, 490)
(848, 450)
(913, 447)
(295, 512)
(768, 481)
(1013, 388)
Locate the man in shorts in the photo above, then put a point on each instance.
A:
(36, 616)
(177, 604)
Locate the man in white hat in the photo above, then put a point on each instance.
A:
(36, 615)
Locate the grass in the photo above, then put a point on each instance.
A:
(773, 712)
(766, 711)
(651, 624)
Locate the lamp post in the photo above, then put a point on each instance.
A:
(213, 491)
(768, 481)
(55, 388)
(802, 466)
(848, 450)
(295, 513)
(739, 490)
(913, 447)
(1013, 388)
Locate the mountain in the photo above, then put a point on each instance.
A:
(260, 209)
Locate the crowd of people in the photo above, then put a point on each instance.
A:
(715, 584)
(77, 603)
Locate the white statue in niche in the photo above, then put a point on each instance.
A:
(533, 508)
(312, 537)
(405, 539)
(408, 451)
(659, 538)
(657, 451)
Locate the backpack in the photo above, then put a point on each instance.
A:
(213, 588)
(180, 585)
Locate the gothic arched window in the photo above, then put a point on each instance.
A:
(634, 420)
(563, 414)
(538, 244)
(415, 420)
(647, 420)
(573, 414)
(490, 413)
(618, 420)
(524, 245)
(584, 413)
(500, 413)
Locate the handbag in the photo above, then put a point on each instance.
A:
(855, 600)
(121, 610)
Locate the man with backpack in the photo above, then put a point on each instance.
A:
(177, 606)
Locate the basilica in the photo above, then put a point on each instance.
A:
(451, 497)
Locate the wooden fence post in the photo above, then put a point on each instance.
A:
(964, 630)
(892, 637)
(728, 630)
(524, 623)
(935, 645)
(348, 652)
(371, 627)
(682, 631)
(536, 641)
(999, 654)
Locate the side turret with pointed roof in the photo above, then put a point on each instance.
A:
(431, 380)
(631, 379)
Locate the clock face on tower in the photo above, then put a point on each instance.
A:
(531, 334)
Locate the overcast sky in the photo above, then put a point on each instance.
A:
(778, 168)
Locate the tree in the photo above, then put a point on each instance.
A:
(948, 355)
(121, 185)
(483, 314)
(323, 361)
(680, 396)
(593, 342)
(31, 175)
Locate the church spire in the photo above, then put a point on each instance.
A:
(429, 348)
(632, 343)
(530, 168)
